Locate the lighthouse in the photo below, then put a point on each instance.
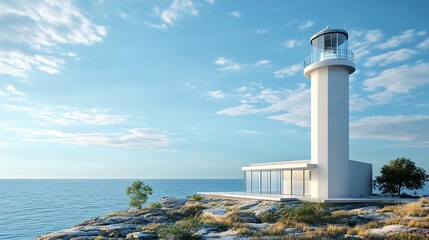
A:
(329, 67)
(329, 175)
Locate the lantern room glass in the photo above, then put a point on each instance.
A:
(329, 46)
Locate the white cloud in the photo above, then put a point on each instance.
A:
(363, 42)
(47, 23)
(11, 89)
(398, 80)
(373, 36)
(262, 62)
(18, 64)
(406, 36)
(393, 128)
(357, 103)
(216, 94)
(291, 106)
(228, 64)
(241, 89)
(293, 43)
(211, 2)
(288, 71)
(424, 44)
(262, 31)
(391, 57)
(239, 110)
(294, 103)
(248, 132)
(66, 116)
(42, 26)
(145, 138)
(235, 14)
(305, 25)
(175, 11)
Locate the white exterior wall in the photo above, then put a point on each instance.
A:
(360, 179)
(330, 131)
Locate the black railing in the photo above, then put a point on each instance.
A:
(329, 54)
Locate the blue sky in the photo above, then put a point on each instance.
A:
(198, 89)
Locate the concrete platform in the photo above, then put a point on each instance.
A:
(284, 198)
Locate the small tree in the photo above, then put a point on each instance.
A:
(400, 174)
(138, 193)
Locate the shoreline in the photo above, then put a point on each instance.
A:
(196, 217)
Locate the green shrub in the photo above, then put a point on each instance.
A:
(269, 217)
(196, 197)
(176, 232)
(155, 205)
(308, 212)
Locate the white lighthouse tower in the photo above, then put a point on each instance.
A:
(328, 67)
(329, 175)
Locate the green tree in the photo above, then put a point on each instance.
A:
(400, 174)
(138, 193)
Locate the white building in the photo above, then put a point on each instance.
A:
(329, 173)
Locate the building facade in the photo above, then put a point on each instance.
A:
(330, 173)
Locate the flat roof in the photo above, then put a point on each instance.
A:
(296, 164)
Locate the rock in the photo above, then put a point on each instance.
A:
(353, 237)
(379, 216)
(215, 212)
(248, 204)
(118, 230)
(388, 230)
(245, 217)
(69, 233)
(291, 231)
(258, 226)
(171, 202)
(260, 209)
(142, 235)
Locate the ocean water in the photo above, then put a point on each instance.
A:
(30, 208)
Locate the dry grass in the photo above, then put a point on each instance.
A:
(153, 227)
(415, 209)
(335, 230)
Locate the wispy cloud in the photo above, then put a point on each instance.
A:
(262, 62)
(216, 94)
(292, 104)
(405, 36)
(150, 139)
(262, 31)
(391, 57)
(288, 71)
(293, 43)
(363, 42)
(235, 14)
(424, 44)
(413, 128)
(248, 132)
(305, 25)
(228, 64)
(174, 12)
(398, 80)
(42, 26)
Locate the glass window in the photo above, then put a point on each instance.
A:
(248, 181)
(275, 181)
(328, 41)
(298, 182)
(265, 181)
(307, 182)
(287, 182)
(255, 181)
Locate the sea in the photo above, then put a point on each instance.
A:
(30, 208)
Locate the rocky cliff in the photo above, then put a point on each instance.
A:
(199, 218)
